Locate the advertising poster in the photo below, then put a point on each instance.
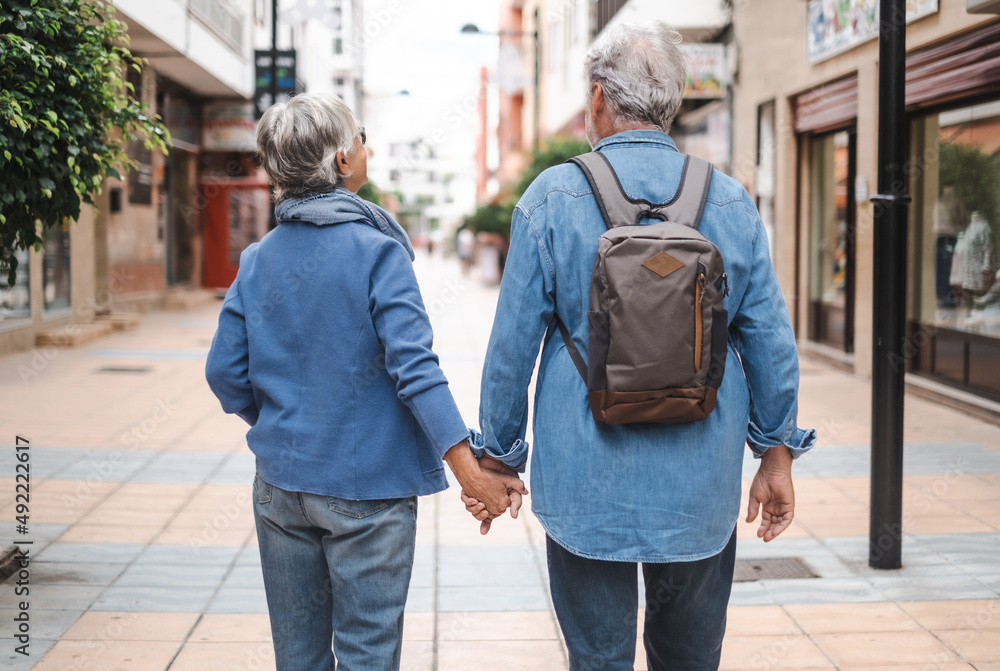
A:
(838, 25)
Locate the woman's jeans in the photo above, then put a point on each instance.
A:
(335, 571)
(685, 616)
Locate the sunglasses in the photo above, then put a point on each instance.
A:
(361, 133)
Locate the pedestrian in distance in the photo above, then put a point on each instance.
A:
(324, 348)
(643, 475)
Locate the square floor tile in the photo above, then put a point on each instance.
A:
(836, 618)
(202, 656)
(751, 620)
(974, 645)
(938, 615)
(177, 576)
(786, 651)
(154, 599)
(904, 648)
(89, 552)
(521, 655)
(239, 600)
(110, 656)
(232, 628)
(131, 626)
(45, 624)
(497, 626)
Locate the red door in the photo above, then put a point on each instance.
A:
(237, 214)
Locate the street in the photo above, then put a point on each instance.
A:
(140, 550)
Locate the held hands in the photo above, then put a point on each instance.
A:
(772, 489)
(479, 510)
(492, 489)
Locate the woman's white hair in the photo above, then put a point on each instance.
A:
(298, 141)
(641, 71)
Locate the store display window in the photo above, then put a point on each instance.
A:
(959, 285)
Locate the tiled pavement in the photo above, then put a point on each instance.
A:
(144, 554)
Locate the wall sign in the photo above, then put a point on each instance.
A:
(836, 26)
(708, 71)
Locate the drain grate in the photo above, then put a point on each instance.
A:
(777, 568)
(123, 369)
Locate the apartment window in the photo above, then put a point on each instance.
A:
(338, 45)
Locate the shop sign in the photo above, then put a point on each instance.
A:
(229, 127)
(708, 71)
(284, 72)
(836, 26)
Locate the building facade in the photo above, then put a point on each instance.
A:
(805, 145)
(543, 83)
(180, 221)
(146, 233)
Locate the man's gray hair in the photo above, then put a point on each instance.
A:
(298, 141)
(641, 71)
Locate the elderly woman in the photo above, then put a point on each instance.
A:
(324, 348)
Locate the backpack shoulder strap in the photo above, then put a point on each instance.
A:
(688, 204)
(616, 207)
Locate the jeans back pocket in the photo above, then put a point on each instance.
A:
(261, 489)
(357, 509)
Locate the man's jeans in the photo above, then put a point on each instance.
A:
(334, 570)
(596, 603)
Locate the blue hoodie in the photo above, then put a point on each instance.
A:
(324, 348)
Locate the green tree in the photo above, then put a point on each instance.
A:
(67, 114)
(495, 217)
(371, 193)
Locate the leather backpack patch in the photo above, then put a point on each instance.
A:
(663, 264)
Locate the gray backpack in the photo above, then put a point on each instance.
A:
(658, 331)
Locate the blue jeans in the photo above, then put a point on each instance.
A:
(335, 571)
(685, 618)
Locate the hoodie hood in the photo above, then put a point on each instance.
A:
(340, 206)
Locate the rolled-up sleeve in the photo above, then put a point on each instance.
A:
(524, 311)
(761, 331)
(404, 330)
(228, 367)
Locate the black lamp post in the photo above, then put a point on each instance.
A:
(885, 535)
(473, 29)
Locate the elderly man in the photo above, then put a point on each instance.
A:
(665, 496)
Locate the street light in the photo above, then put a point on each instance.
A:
(473, 29)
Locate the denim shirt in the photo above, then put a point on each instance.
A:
(637, 492)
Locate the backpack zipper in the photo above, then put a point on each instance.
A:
(698, 295)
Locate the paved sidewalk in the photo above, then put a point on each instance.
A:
(143, 554)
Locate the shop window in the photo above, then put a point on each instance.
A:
(55, 267)
(832, 237)
(955, 290)
(960, 222)
(15, 301)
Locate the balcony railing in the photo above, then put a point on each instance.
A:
(222, 19)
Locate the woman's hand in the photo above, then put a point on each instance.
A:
(478, 509)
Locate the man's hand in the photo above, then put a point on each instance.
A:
(489, 488)
(478, 509)
(772, 488)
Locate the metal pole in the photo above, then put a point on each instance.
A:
(538, 84)
(274, 51)
(888, 362)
